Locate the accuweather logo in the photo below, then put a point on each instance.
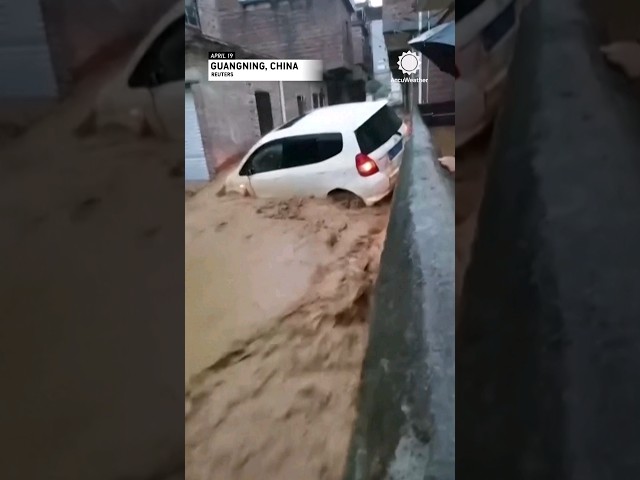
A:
(409, 63)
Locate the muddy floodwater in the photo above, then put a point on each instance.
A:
(277, 294)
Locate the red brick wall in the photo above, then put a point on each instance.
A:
(441, 85)
(398, 10)
(315, 29)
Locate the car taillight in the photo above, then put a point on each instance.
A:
(365, 165)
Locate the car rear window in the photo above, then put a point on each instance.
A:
(310, 149)
(377, 130)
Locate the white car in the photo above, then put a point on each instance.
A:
(485, 39)
(350, 151)
(149, 90)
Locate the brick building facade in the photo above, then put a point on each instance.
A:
(228, 113)
(301, 29)
(361, 34)
(403, 20)
(231, 115)
(441, 86)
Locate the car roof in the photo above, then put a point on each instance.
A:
(171, 15)
(344, 117)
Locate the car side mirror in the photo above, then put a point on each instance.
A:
(246, 170)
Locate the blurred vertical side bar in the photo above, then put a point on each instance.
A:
(548, 349)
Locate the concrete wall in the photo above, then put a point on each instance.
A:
(225, 135)
(373, 13)
(304, 89)
(548, 358)
(229, 119)
(379, 53)
(380, 61)
(361, 34)
(406, 416)
(315, 29)
(358, 45)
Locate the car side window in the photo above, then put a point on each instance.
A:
(266, 159)
(163, 62)
(310, 149)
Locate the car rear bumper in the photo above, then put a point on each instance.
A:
(371, 201)
(383, 188)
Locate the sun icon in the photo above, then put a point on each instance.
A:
(409, 62)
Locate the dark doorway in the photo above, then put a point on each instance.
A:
(336, 91)
(356, 91)
(301, 105)
(265, 116)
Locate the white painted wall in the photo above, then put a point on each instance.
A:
(382, 71)
(26, 69)
(195, 162)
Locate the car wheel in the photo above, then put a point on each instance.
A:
(346, 199)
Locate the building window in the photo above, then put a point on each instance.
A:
(315, 100)
(191, 13)
(265, 115)
(253, 2)
(301, 105)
